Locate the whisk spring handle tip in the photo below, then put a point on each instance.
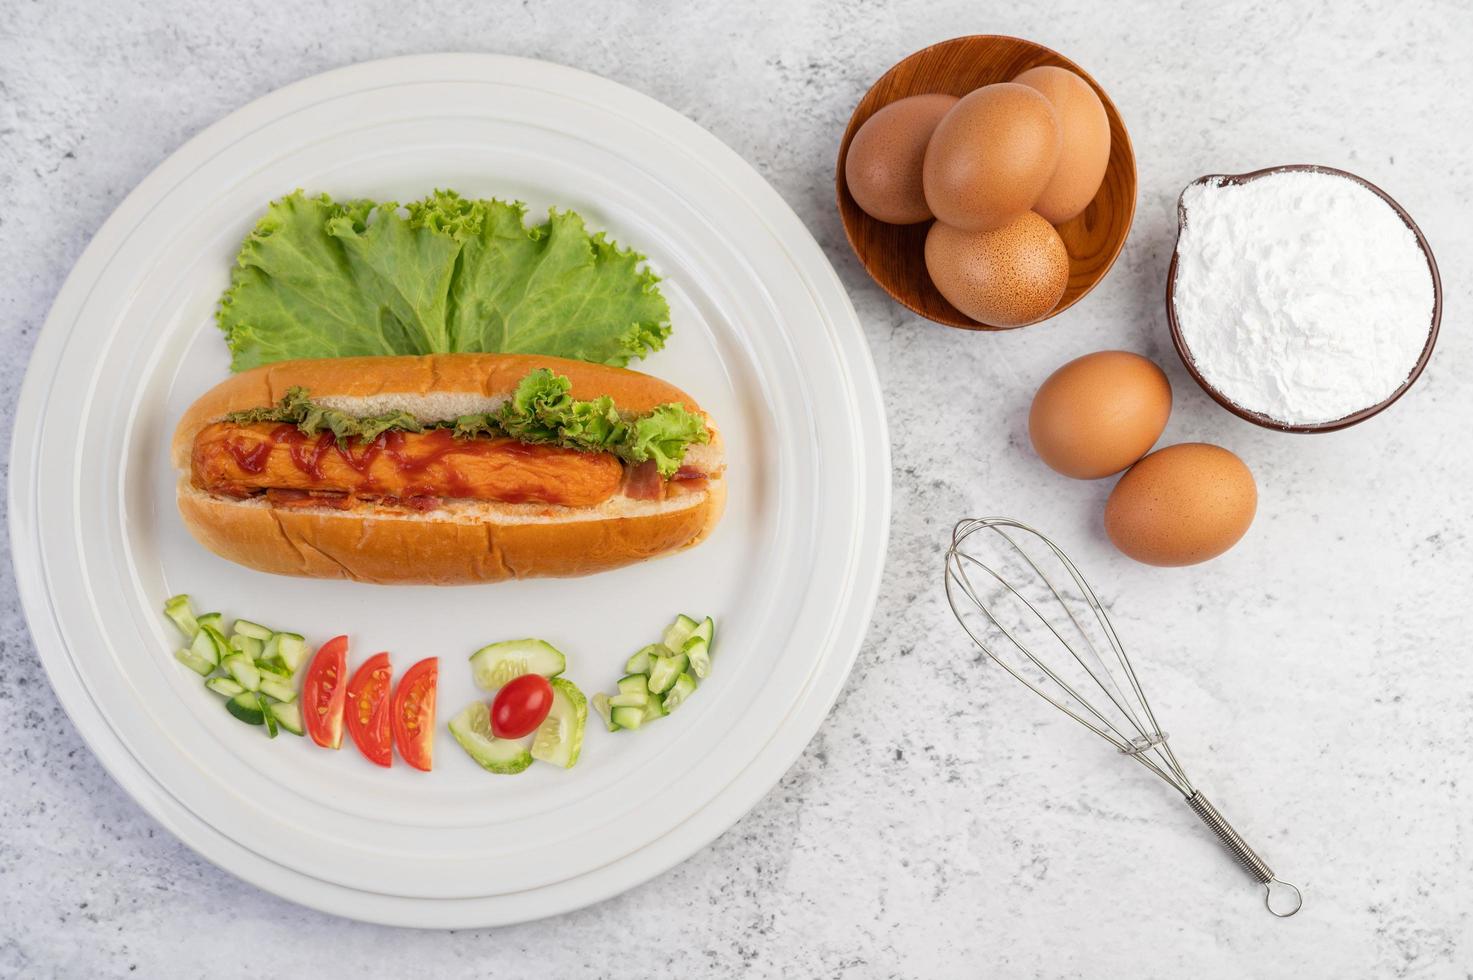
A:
(1293, 899)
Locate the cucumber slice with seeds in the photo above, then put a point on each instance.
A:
(244, 627)
(275, 687)
(559, 738)
(698, 654)
(288, 716)
(665, 671)
(641, 662)
(678, 632)
(180, 613)
(247, 707)
(291, 650)
(472, 729)
(224, 686)
(495, 665)
(243, 670)
(634, 691)
(605, 710)
(195, 662)
(684, 686)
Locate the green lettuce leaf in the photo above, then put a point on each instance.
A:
(319, 278)
(540, 410)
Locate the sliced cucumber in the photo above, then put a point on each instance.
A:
(246, 646)
(178, 610)
(243, 670)
(678, 632)
(684, 686)
(495, 665)
(605, 710)
(641, 662)
(274, 668)
(247, 707)
(224, 686)
(664, 672)
(214, 620)
(244, 627)
(276, 687)
(288, 716)
(559, 738)
(195, 662)
(698, 654)
(653, 709)
(268, 718)
(209, 645)
(634, 691)
(630, 718)
(472, 729)
(291, 650)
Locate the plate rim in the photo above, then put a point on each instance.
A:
(859, 376)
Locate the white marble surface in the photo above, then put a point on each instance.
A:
(1317, 679)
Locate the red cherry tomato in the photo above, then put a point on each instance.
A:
(413, 713)
(368, 710)
(520, 706)
(323, 690)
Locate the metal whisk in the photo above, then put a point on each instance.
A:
(1067, 659)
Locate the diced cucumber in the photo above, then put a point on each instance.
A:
(630, 718)
(605, 710)
(495, 665)
(472, 729)
(273, 667)
(653, 709)
(291, 650)
(246, 646)
(212, 619)
(664, 672)
(209, 645)
(559, 738)
(634, 691)
(178, 610)
(195, 662)
(276, 687)
(247, 707)
(268, 718)
(244, 627)
(288, 716)
(678, 632)
(224, 686)
(640, 663)
(243, 670)
(706, 631)
(698, 653)
(685, 684)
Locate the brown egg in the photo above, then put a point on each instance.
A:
(991, 156)
(1004, 278)
(883, 165)
(1099, 413)
(1086, 141)
(1181, 505)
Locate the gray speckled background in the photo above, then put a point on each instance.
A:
(942, 824)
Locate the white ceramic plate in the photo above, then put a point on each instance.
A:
(764, 337)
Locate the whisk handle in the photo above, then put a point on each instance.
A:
(1246, 856)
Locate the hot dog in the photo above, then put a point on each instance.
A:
(446, 469)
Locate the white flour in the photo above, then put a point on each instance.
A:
(1302, 296)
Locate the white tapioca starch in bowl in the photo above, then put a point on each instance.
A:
(1301, 296)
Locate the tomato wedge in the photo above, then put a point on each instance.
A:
(368, 710)
(322, 693)
(412, 713)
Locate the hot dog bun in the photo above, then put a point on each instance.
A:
(462, 541)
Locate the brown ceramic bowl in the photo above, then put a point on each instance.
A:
(894, 255)
(1258, 418)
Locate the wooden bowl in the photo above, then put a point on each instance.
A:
(1258, 418)
(894, 255)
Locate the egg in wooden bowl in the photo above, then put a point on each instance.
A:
(895, 255)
